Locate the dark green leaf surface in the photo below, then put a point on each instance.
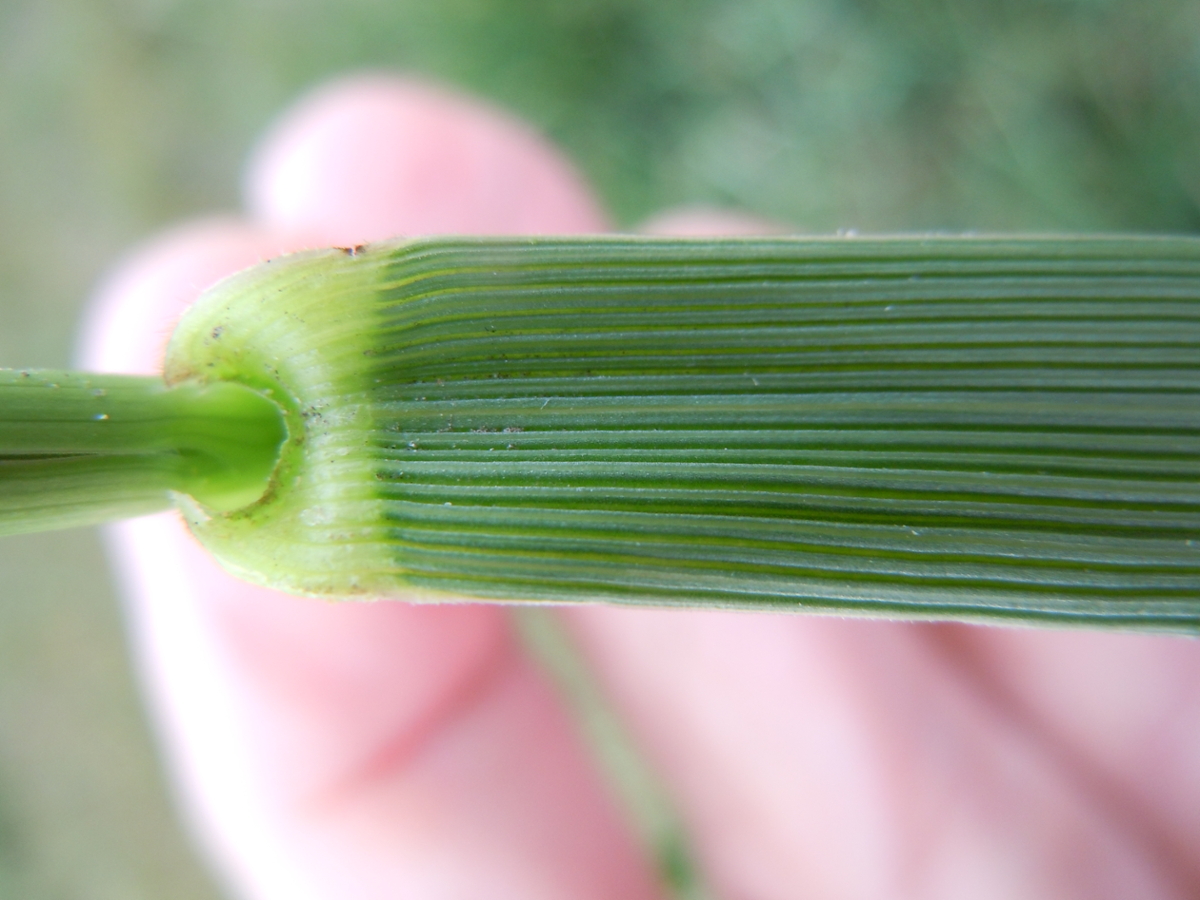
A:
(924, 427)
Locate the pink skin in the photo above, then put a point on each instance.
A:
(386, 750)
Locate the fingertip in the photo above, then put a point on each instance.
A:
(130, 318)
(273, 705)
(374, 156)
(709, 221)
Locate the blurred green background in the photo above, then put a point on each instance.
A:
(118, 117)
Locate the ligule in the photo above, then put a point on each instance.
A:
(931, 428)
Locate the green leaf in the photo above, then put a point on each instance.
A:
(1004, 429)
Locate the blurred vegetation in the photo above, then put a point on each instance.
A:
(120, 116)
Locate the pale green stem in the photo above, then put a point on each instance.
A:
(79, 449)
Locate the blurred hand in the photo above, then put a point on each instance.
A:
(383, 750)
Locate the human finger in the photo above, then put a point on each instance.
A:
(1124, 707)
(365, 750)
(372, 157)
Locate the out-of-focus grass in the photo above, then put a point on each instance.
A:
(119, 116)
